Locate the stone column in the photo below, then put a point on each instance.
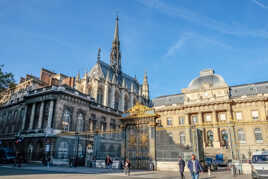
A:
(131, 100)
(112, 97)
(24, 117)
(122, 101)
(106, 95)
(41, 115)
(199, 118)
(152, 136)
(216, 142)
(91, 125)
(188, 130)
(233, 143)
(50, 114)
(32, 116)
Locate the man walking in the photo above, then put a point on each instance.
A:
(194, 167)
(181, 163)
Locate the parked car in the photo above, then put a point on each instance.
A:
(259, 165)
(212, 163)
(7, 155)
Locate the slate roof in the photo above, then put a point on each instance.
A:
(128, 79)
(249, 89)
(235, 92)
(168, 100)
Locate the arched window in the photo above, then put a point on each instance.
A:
(63, 150)
(210, 137)
(80, 123)
(241, 136)
(126, 103)
(182, 138)
(66, 120)
(258, 135)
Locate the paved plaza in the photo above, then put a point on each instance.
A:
(40, 172)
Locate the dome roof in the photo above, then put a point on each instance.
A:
(207, 79)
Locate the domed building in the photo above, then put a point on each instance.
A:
(210, 117)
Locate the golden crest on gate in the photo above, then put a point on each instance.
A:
(144, 139)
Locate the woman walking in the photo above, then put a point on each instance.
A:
(127, 167)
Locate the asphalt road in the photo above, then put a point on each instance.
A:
(20, 173)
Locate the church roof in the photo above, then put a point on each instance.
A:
(107, 70)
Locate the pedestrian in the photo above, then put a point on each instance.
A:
(107, 160)
(181, 164)
(194, 167)
(127, 167)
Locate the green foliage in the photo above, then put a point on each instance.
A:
(6, 79)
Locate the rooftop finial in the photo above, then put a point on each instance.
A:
(99, 54)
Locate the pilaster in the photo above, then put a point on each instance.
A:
(32, 116)
(50, 114)
(24, 117)
(41, 115)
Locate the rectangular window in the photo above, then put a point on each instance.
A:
(169, 121)
(255, 115)
(208, 118)
(222, 116)
(238, 116)
(181, 120)
(194, 119)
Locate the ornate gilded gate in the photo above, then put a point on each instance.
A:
(139, 136)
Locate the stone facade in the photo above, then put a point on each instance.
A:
(233, 119)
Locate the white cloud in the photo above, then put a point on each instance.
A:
(195, 38)
(190, 16)
(174, 48)
(260, 4)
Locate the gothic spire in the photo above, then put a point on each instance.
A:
(116, 31)
(115, 56)
(145, 87)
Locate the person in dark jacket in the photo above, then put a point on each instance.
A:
(194, 167)
(181, 164)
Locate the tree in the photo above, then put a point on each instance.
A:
(6, 79)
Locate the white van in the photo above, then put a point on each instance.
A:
(259, 165)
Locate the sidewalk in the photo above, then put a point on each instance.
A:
(118, 172)
(65, 169)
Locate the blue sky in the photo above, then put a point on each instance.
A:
(171, 40)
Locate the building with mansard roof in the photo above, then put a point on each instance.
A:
(232, 120)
